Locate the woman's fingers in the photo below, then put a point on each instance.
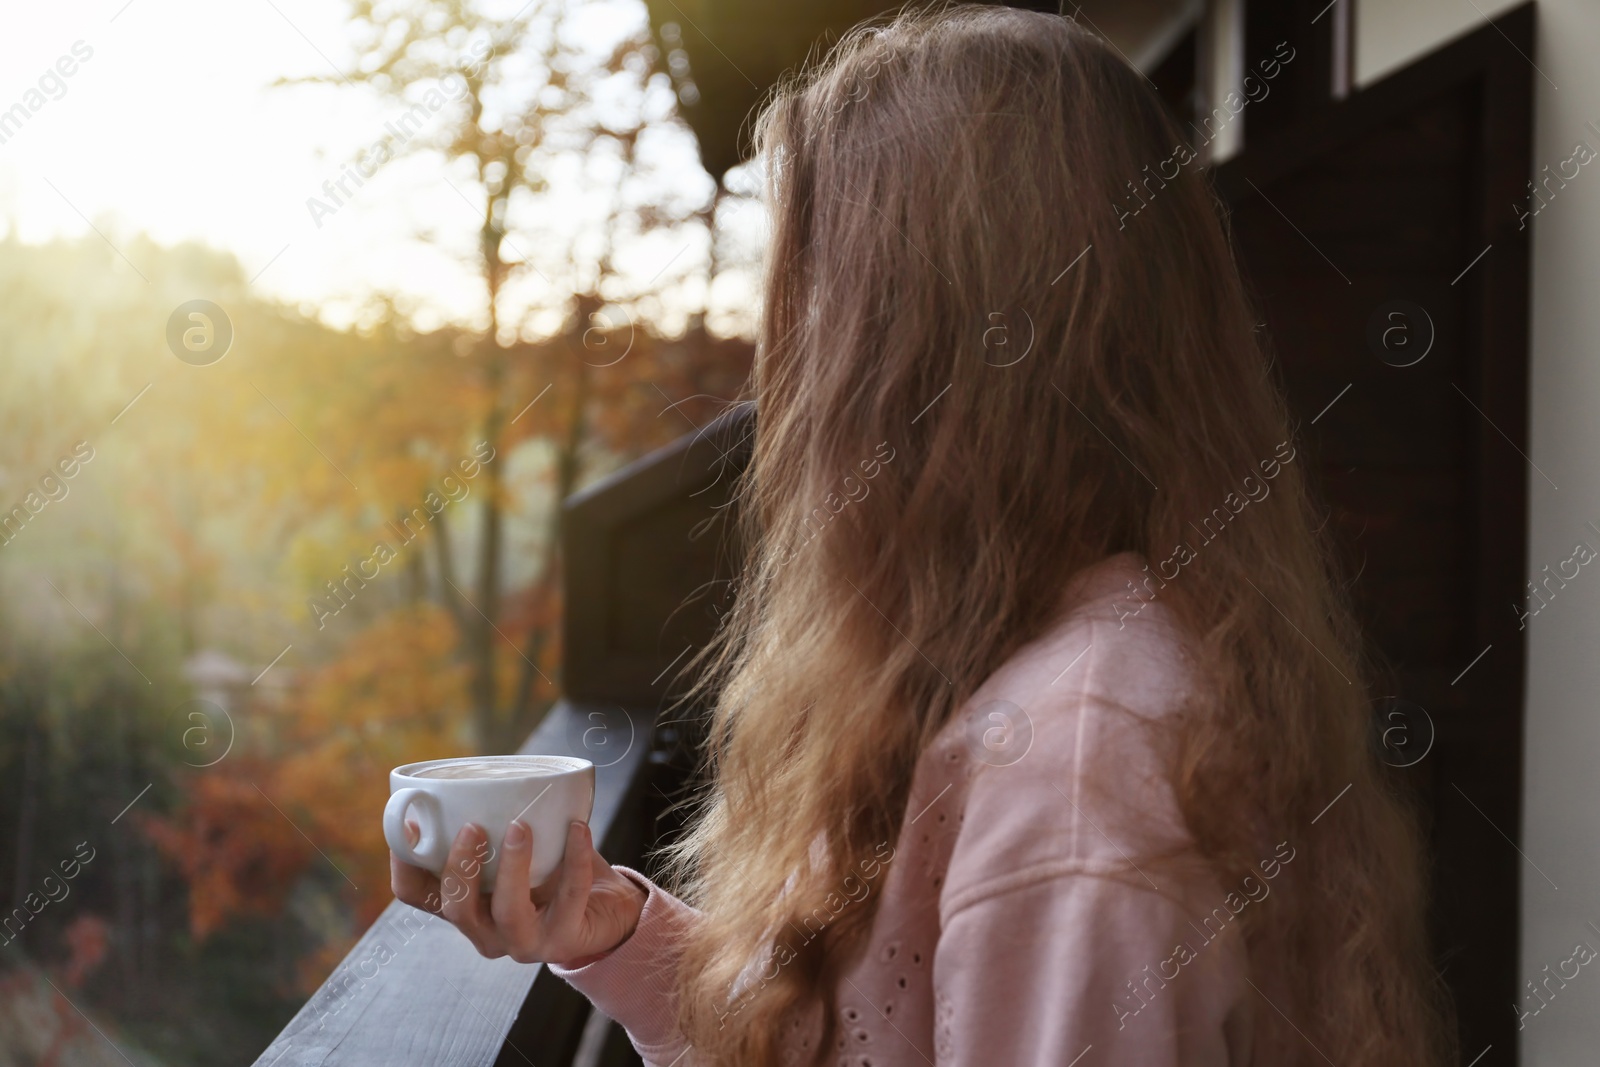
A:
(463, 905)
(563, 922)
(509, 921)
(413, 885)
(510, 907)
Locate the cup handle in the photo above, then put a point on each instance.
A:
(427, 852)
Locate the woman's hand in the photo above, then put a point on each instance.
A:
(590, 911)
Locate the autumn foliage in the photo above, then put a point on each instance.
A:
(246, 835)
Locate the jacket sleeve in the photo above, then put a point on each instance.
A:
(636, 984)
(1085, 969)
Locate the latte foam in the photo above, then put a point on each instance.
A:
(525, 767)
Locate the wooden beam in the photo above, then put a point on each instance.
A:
(648, 554)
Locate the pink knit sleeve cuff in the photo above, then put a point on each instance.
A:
(636, 984)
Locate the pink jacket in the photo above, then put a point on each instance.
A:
(1024, 920)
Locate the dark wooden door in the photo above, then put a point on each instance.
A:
(1380, 241)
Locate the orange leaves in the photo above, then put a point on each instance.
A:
(88, 940)
(239, 856)
(396, 694)
(249, 832)
(395, 687)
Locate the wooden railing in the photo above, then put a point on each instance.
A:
(643, 555)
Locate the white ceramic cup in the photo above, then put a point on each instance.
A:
(555, 792)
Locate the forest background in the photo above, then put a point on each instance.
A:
(254, 553)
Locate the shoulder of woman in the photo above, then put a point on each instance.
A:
(1115, 646)
(1060, 753)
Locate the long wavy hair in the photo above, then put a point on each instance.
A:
(958, 281)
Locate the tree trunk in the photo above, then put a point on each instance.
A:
(27, 809)
(567, 466)
(481, 633)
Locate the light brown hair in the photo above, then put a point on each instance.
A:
(936, 177)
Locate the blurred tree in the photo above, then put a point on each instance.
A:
(238, 855)
(535, 98)
(253, 826)
(397, 694)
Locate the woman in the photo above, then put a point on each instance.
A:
(1040, 735)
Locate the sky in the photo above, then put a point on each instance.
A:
(170, 125)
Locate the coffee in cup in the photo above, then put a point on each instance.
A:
(546, 793)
